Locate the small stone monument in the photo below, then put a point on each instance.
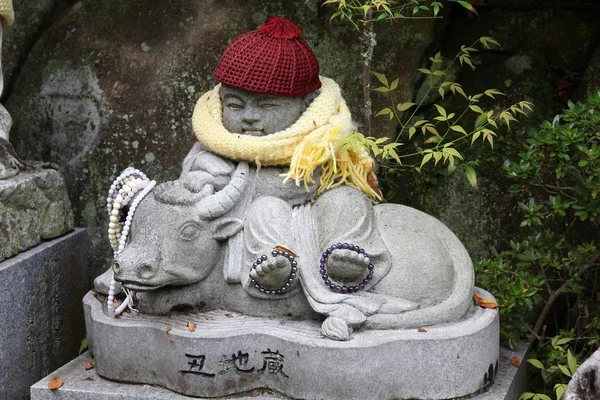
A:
(269, 263)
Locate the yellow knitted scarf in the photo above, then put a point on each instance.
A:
(6, 11)
(311, 142)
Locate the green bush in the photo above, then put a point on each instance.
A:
(547, 282)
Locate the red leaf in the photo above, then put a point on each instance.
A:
(515, 362)
(169, 327)
(191, 326)
(89, 366)
(228, 315)
(422, 330)
(89, 378)
(483, 303)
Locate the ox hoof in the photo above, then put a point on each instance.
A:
(336, 328)
(275, 273)
(346, 265)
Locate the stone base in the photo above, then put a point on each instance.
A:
(34, 205)
(82, 384)
(229, 353)
(40, 312)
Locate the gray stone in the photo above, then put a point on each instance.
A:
(585, 384)
(443, 361)
(88, 385)
(40, 312)
(34, 206)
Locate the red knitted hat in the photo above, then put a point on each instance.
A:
(272, 60)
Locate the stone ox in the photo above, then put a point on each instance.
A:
(181, 239)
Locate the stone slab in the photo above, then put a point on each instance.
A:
(40, 311)
(34, 206)
(88, 385)
(230, 353)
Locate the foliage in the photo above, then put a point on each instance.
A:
(437, 139)
(557, 178)
(558, 366)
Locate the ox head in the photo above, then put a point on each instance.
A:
(176, 232)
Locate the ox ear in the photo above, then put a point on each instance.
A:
(224, 228)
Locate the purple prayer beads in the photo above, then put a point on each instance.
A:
(343, 288)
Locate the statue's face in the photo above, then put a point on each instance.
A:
(258, 114)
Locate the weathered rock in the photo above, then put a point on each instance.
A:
(31, 17)
(33, 206)
(114, 84)
(40, 311)
(585, 384)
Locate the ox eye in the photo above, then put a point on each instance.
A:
(189, 231)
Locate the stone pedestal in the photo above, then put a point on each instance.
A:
(230, 353)
(82, 384)
(33, 206)
(40, 311)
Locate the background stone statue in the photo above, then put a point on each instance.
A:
(10, 163)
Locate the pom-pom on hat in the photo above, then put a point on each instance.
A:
(271, 60)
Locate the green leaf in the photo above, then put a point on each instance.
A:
(536, 363)
(381, 78)
(83, 346)
(471, 176)
(441, 110)
(385, 111)
(442, 92)
(411, 131)
(543, 397)
(475, 108)
(382, 89)
(424, 71)
(395, 83)
(426, 158)
(467, 5)
(475, 136)
(572, 361)
(565, 370)
(404, 106)
(526, 396)
(560, 388)
(458, 128)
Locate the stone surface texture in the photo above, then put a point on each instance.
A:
(88, 385)
(40, 314)
(34, 206)
(445, 361)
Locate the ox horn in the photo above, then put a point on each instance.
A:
(221, 202)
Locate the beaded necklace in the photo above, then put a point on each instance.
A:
(129, 188)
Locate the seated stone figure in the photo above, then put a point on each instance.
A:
(270, 238)
(285, 120)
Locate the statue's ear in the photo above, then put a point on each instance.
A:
(224, 228)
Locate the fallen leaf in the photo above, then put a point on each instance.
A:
(515, 362)
(281, 248)
(502, 358)
(422, 330)
(169, 327)
(89, 366)
(55, 383)
(89, 378)
(229, 315)
(191, 326)
(483, 303)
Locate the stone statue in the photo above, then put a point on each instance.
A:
(10, 163)
(272, 218)
(585, 384)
